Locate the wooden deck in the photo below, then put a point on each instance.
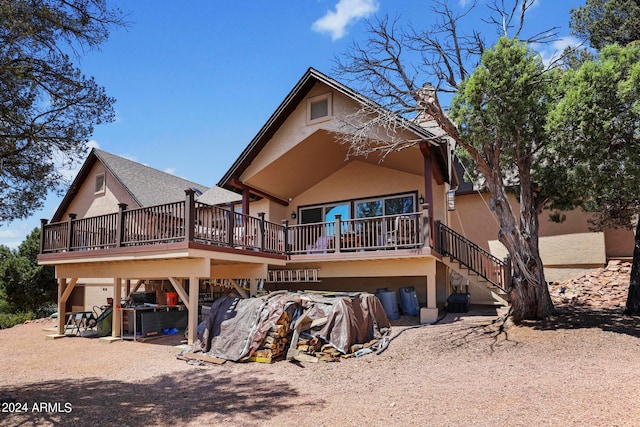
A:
(190, 224)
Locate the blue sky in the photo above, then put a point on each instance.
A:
(196, 80)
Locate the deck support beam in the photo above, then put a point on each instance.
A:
(429, 314)
(64, 291)
(192, 325)
(179, 288)
(117, 312)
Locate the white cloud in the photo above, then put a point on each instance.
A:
(555, 49)
(9, 234)
(171, 171)
(92, 143)
(347, 11)
(565, 42)
(464, 3)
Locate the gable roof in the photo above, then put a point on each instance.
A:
(290, 103)
(146, 185)
(218, 196)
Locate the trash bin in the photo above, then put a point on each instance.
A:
(389, 304)
(409, 301)
(458, 303)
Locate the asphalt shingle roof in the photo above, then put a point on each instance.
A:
(148, 186)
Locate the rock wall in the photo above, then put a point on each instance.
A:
(605, 288)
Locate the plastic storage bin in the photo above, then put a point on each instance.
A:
(389, 304)
(409, 301)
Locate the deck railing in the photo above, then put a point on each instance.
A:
(153, 225)
(192, 221)
(451, 244)
(374, 233)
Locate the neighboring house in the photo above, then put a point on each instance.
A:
(293, 212)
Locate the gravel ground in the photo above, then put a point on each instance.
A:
(580, 369)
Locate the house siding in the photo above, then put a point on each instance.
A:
(566, 248)
(86, 203)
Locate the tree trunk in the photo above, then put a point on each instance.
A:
(633, 298)
(529, 295)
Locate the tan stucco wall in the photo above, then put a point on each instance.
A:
(355, 180)
(294, 130)
(567, 248)
(359, 180)
(87, 203)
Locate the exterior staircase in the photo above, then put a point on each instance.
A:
(472, 262)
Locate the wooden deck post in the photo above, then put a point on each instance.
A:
(72, 217)
(231, 226)
(338, 233)
(428, 186)
(261, 237)
(427, 226)
(117, 311)
(429, 314)
(120, 230)
(64, 291)
(62, 309)
(192, 324)
(190, 215)
(285, 224)
(43, 222)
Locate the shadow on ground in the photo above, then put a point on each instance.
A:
(611, 320)
(173, 399)
(476, 313)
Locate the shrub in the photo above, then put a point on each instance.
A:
(9, 320)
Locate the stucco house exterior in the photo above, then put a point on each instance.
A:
(293, 212)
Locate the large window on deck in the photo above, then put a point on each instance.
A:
(324, 213)
(383, 206)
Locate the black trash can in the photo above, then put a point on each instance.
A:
(458, 303)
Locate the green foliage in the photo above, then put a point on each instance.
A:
(501, 108)
(48, 108)
(604, 22)
(26, 286)
(595, 130)
(9, 320)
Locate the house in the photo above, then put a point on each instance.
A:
(293, 212)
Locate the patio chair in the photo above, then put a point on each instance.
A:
(322, 244)
(401, 234)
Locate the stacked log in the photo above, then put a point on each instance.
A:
(314, 350)
(275, 343)
(302, 345)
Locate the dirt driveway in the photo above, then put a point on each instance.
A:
(582, 369)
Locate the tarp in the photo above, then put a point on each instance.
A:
(236, 327)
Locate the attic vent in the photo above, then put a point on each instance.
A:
(319, 108)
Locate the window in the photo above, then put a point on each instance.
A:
(100, 184)
(319, 108)
(325, 213)
(388, 205)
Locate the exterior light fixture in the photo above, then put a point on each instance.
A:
(451, 200)
(294, 215)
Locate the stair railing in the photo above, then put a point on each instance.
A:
(470, 255)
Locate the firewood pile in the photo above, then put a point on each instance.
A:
(275, 343)
(285, 340)
(602, 288)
